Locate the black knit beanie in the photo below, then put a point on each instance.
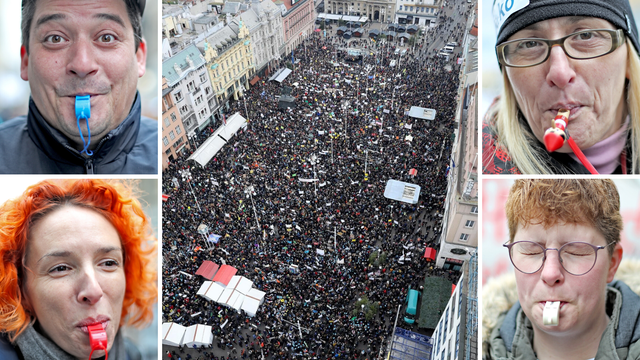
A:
(617, 12)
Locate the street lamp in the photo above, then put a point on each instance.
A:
(244, 100)
(191, 138)
(249, 190)
(313, 161)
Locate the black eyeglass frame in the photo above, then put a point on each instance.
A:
(617, 40)
(544, 257)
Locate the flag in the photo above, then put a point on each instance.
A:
(214, 238)
(165, 197)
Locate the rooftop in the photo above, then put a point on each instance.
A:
(178, 66)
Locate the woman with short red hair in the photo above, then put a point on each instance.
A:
(77, 264)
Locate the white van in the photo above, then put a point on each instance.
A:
(448, 49)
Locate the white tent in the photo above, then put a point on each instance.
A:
(235, 279)
(237, 300)
(199, 335)
(211, 290)
(215, 142)
(422, 113)
(252, 301)
(232, 298)
(204, 287)
(172, 334)
(244, 285)
(280, 75)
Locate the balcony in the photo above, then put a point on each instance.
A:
(187, 113)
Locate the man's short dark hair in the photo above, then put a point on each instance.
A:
(134, 10)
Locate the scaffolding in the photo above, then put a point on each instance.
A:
(471, 343)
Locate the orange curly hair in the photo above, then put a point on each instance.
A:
(116, 202)
(550, 202)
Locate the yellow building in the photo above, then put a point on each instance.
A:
(229, 60)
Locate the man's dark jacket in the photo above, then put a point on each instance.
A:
(29, 145)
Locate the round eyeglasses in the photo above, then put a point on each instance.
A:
(577, 258)
(581, 45)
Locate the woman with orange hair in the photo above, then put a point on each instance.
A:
(76, 263)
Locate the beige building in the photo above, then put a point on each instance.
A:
(376, 10)
(229, 60)
(459, 236)
(174, 137)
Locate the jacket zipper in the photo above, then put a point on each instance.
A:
(88, 166)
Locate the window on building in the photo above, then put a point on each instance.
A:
(469, 224)
(165, 141)
(178, 130)
(178, 143)
(172, 135)
(168, 152)
(190, 86)
(173, 117)
(464, 237)
(207, 90)
(474, 209)
(203, 77)
(457, 340)
(178, 96)
(166, 122)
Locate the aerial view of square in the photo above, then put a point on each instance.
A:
(319, 179)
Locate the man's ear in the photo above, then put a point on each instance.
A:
(24, 63)
(614, 262)
(141, 57)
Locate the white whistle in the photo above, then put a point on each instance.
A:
(551, 313)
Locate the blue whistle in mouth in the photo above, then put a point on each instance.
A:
(83, 111)
(83, 107)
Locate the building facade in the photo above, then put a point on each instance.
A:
(174, 137)
(264, 21)
(459, 234)
(418, 12)
(460, 223)
(297, 22)
(375, 10)
(456, 335)
(229, 60)
(191, 88)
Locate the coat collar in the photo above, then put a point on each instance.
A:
(60, 149)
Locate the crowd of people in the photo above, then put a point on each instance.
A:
(349, 116)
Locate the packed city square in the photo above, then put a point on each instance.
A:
(304, 186)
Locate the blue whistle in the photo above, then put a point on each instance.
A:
(83, 111)
(83, 107)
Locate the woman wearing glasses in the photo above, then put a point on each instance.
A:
(565, 246)
(577, 56)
